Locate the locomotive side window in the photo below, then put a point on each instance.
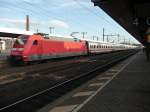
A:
(35, 42)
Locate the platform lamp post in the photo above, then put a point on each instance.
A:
(37, 30)
(124, 39)
(148, 35)
(118, 37)
(97, 38)
(103, 34)
(93, 37)
(129, 41)
(51, 29)
(27, 23)
(83, 34)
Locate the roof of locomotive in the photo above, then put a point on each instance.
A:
(71, 38)
(58, 37)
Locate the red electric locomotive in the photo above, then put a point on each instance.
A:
(37, 47)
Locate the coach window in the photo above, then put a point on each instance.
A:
(35, 42)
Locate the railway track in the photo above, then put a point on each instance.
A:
(66, 78)
(9, 75)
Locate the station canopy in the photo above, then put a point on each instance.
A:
(133, 15)
(13, 33)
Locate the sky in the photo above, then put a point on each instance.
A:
(66, 16)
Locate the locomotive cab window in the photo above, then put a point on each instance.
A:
(35, 42)
(21, 40)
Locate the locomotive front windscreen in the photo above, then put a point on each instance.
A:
(22, 39)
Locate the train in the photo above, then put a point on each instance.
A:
(38, 47)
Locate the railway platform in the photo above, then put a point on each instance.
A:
(124, 88)
(128, 92)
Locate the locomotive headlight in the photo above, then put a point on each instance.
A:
(25, 56)
(17, 49)
(20, 49)
(14, 49)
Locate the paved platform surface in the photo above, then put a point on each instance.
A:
(123, 88)
(128, 92)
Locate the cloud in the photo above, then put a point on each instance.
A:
(11, 20)
(71, 5)
(16, 22)
(33, 1)
(20, 24)
(58, 23)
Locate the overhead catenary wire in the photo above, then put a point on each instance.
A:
(52, 15)
(43, 11)
(92, 12)
(100, 17)
(58, 17)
